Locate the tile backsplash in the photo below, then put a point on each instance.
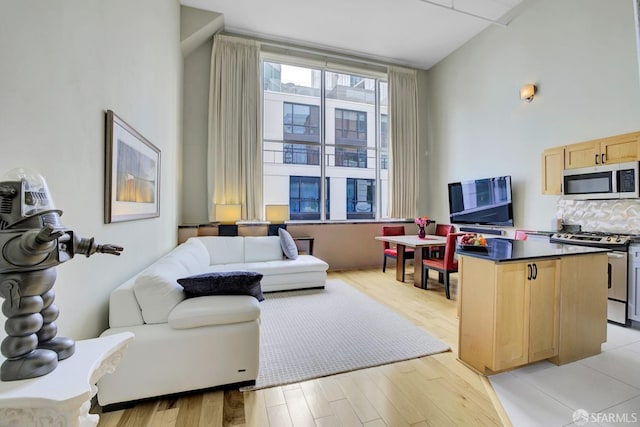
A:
(615, 216)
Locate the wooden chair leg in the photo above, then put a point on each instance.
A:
(384, 263)
(440, 277)
(425, 277)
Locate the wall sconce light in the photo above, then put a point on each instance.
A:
(227, 215)
(527, 92)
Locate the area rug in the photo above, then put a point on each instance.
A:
(318, 332)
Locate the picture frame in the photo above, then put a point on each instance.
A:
(132, 173)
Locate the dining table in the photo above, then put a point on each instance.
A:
(419, 244)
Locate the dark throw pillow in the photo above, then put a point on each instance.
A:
(288, 244)
(223, 283)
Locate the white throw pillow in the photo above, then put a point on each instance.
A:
(288, 244)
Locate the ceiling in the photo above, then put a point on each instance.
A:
(412, 33)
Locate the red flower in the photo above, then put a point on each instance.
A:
(422, 221)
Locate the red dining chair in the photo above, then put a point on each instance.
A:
(444, 266)
(391, 251)
(441, 230)
(520, 235)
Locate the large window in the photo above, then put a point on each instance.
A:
(361, 198)
(351, 127)
(301, 154)
(304, 198)
(301, 122)
(384, 141)
(351, 157)
(351, 135)
(325, 133)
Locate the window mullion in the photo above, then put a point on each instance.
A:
(378, 180)
(323, 133)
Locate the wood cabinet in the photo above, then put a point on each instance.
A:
(582, 154)
(621, 148)
(515, 313)
(583, 307)
(544, 298)
(522, 325)
(552, 167)
(615, 149)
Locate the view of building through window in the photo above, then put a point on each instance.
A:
(342, 138)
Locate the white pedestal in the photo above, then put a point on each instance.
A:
(63, 397)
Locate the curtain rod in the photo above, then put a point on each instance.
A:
(319, 52)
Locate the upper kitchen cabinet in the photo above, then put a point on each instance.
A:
(621, 148)
(582, 154)
(614, 149)
(552, 166)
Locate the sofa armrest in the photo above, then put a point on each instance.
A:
(123, 306)
(214, 310)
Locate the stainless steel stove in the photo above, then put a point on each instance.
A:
(618, 276)
(592, 238)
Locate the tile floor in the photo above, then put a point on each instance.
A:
(602, 390)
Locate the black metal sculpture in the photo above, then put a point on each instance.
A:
(33, 242)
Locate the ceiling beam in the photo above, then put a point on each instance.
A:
(452, 8)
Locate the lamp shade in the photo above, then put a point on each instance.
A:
(228, 213)
(276, 213)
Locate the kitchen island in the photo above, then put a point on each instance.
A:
(522, 301)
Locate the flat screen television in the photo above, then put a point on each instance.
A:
(481, 201)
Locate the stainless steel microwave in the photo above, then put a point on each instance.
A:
(614, 181)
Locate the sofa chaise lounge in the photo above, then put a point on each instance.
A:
(184, 344)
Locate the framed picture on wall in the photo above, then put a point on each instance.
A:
(132, 173)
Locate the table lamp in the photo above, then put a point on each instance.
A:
(227, 215)
(276, 215)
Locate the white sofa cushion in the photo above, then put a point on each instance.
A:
(224, 249)
(262, 248)
(214, 310)
(192, 254)
(158, 291)
(302, 264)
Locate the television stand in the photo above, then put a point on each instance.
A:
(496, 231)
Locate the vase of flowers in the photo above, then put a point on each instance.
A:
(422, 222)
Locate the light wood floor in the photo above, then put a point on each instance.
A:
(430, 391)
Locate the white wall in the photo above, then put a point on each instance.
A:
(62, 65)
(582, 56)
(196, 109)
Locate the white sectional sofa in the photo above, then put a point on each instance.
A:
(196, 343)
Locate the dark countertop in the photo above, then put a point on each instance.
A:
(502, 250)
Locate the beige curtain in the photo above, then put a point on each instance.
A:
(235, 151)
(403, 144)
